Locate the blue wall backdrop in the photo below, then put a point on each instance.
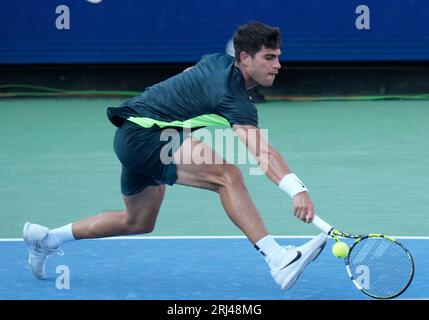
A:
(128, 31)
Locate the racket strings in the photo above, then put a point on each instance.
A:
(381, 267)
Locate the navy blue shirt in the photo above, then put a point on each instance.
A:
(212, 92)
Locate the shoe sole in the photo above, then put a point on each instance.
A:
(320, 251)
(25, 237)
(25, 230)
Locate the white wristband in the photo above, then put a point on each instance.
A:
(292, 185)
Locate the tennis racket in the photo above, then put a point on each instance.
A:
(378, 265)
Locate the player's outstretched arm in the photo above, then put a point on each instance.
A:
(277, 170)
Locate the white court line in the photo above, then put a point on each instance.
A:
(209, 237)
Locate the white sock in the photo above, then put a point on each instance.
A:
(57, 237)
(267, 245)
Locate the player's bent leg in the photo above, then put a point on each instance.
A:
(224, 178)
(142, 210)
(139, 217)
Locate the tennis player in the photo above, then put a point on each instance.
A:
(213, 92)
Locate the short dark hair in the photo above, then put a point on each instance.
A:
(252, 36)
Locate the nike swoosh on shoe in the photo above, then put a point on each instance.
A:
(298, 256)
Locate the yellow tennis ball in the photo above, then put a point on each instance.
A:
(340, 249)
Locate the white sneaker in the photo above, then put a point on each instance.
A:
(289, 262)
(34, 236)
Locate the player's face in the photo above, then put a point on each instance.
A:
(264, 66)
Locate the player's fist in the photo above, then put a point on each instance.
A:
(303, 207)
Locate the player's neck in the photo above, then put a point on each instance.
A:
(248, 81)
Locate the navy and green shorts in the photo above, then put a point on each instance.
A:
(139, 150)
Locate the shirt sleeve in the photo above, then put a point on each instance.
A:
(239, 111)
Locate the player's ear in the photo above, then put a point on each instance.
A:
(245, 58)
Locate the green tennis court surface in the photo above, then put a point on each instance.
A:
(365, 163)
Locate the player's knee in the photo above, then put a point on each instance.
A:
(134, 225)
(146, 229)
(232, 176)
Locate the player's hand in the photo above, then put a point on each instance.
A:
(303, 207)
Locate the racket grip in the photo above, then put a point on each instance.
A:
(322, 225)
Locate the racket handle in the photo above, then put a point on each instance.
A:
(322, 225)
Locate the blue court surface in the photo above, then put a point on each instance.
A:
(182, 268)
